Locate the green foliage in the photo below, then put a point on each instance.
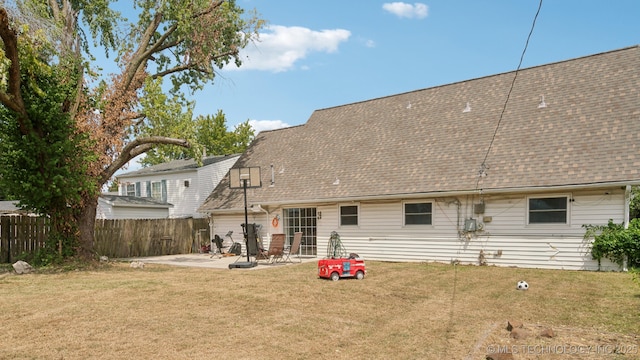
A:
(114, 186)
(212, 134)
(43, 159)
(209, 134)
(63, 135)
(170, 116)
(614, 242)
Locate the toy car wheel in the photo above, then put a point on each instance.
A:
(360, 275)
(335, 276)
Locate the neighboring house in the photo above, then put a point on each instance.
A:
(176, 188)
(452, 174)
(10, 208)
(112, 206)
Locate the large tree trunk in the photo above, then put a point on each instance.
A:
(86, 226)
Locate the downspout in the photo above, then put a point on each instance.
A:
(256, 208)
(211, 227)
(627, 204)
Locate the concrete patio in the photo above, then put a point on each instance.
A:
(212, 261)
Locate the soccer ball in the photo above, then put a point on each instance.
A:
(522, 285)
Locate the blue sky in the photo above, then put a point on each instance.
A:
(321, 54)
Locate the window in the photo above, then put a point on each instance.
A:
(551, 210)
(418, 214)
(156, 190)
(349, 215)
(131, 189)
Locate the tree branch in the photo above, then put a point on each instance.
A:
(141, 54)
(13, 100)
(137, 147)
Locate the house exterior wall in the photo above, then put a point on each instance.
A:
(505, 240)
(208, 177)
(180, 196)
(185, 199)
(106, 211)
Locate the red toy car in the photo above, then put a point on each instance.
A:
(337, 268)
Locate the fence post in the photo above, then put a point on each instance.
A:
(5, 245)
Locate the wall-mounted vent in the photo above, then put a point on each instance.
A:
(478, 208)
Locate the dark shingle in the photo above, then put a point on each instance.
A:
(423, 142)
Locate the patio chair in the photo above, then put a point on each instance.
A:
(294, 248)
(217, 241)
(275, 252)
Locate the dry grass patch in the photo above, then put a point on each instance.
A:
(400, 310)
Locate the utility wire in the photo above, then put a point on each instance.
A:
(484, 166)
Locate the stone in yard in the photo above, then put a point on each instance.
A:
(511, 324)
(500, 356)
(519, 333)
(548, 333)
(104, 258)
(137, 265)
(22, 267)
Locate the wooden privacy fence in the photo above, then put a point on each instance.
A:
(22, 235)
(146, 237)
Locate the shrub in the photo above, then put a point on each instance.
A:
(614, 242)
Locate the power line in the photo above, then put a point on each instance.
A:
(484, 166)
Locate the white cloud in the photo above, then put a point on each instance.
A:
(280, 47)
(261, 125)
(401, 9)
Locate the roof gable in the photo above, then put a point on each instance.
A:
(423, 142)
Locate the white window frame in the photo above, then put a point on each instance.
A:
(404, 212)
(130, 189)
(568, 199)
(357, 216)
(157, 183)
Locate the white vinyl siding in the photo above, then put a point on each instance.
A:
(108, 211)
(505, 239)
(185, 190)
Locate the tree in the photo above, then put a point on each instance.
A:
(209, 135)
(68, 130)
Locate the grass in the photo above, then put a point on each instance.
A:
(399, 311)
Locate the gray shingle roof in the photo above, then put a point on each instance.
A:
(134, 201)
(9, 207)
(423, 142)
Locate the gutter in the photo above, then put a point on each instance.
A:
(433, 194)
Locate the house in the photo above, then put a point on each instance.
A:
(10, 208)
(173, 189)
(111, 206)
(476, 172)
